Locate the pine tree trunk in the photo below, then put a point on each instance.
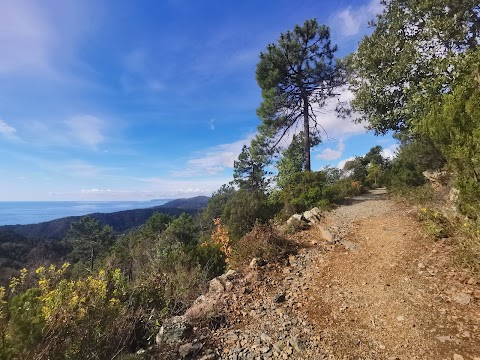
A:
(306, 130)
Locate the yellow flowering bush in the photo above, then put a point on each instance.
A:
(436, 224)
(58, 317)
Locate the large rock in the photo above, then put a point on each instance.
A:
(189, 349)
(314, 215)
(173, 330)
(216, 285)
(297, 221)
(437, 177)
(327, 235)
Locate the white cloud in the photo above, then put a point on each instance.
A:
(159, 189)
(171, 188)
(330, 124)
(39, 35)
(332, 154)
(211, 124)
(96, 191)
(390, 152)
(342, 163)
(350, 22)
(6, 129)
(86, 129)
(351, 19)
(79, 130)
(25, 36)
(214, 159)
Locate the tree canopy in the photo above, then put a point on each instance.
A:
(294, 74)
(411, 59)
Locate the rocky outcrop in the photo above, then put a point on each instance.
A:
(305, 220)
(173, 331)
(313, 216)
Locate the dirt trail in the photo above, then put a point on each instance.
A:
(384, 291)
(394, 296)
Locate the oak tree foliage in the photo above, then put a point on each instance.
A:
(411, 59)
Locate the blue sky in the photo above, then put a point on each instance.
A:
(122, 100)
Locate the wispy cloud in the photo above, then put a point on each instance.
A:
(211, 124)
(7, 130)
(351, 19)
(214, 159)
(138, 73)
(25, 36)
(86, 129)
(37, 37)
(169, 188)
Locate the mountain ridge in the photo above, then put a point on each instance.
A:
(119, 220)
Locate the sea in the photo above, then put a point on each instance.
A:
(32, 212)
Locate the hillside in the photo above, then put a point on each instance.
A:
(120, 221)
(366, 283)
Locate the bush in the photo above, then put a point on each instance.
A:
(341, 190)
(436, 224)
(305, 190)
(209, 257)
(263, 242)
(468, 201)
(468, 249)
(67, 319)
(244, 209)
(419, 195)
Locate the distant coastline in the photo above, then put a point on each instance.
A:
(33, 212)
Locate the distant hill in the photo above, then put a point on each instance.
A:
(195, 203)
(120, 221)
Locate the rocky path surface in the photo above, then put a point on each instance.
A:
(379, 289)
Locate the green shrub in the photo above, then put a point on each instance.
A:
(436, 224)
(468, 201)
(304, 191)
(244, 209)
(468, 248)
(209, 257)
(419, 195)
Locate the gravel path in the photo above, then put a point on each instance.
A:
(380, 289)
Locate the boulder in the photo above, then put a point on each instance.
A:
(437, 177)
(216, 286)
(279, 298)
(297, 221)
(189, 349)
(327, 235)
(231, 274)
(173, 330)
(314, 215)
